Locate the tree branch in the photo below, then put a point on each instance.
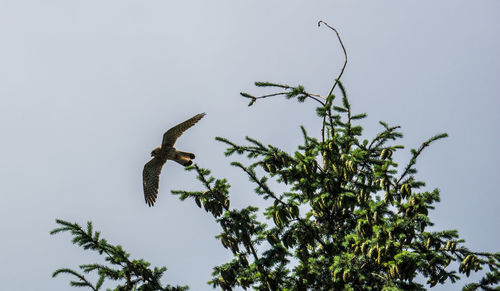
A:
(336, 80)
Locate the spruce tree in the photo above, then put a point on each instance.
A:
(351, 219)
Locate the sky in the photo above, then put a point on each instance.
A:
(87, 89)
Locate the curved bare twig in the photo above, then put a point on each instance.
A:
(336, 80)
(345, 55)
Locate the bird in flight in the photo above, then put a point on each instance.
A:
(152, 169)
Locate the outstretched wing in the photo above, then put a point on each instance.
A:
(151, 179)
(173, 134)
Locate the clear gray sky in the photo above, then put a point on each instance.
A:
(87, 89)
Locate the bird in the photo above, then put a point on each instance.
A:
(152, 169)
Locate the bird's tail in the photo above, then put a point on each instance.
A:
(184, 158)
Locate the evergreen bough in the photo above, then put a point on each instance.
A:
(132, 274)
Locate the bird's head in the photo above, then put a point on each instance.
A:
(156, 151)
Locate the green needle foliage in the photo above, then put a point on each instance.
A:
(351, 219)
(132, 274)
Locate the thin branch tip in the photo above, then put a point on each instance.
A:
(337, 80)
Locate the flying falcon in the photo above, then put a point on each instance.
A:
(152, 169)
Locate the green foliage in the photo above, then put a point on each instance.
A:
(131, 274)
(351, 219)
